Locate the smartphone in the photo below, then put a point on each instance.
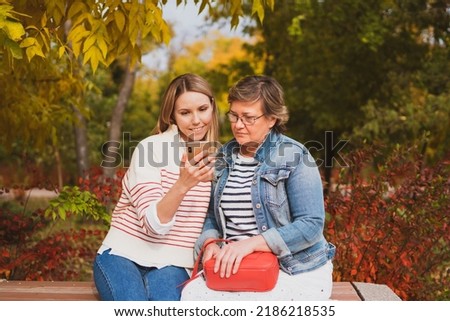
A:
(196, 147)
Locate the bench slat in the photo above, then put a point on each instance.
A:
(86, 291)
(344, 291)
(47, 290)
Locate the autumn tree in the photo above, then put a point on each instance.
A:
(45, 47)
(367, 70)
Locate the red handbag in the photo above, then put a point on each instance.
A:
(258, 272)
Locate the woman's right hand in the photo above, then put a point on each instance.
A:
(192, 172)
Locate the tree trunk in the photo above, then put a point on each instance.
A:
(110, 149)
(59, 169)
(81, 143)
(80, 125)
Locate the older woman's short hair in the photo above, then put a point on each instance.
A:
(269, 91)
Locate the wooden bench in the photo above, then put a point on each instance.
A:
(86, 291)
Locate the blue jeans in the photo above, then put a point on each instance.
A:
(120, 279)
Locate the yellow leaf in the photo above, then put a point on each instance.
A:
(120, 19)
(82, 19)
(101, 43)
(110, 58)
(165, 33)
(34, 50)
(94, 55)
(259, 9)
(78, 33)
(96, 58)
(123, 45)
(75, 8)
(89, 42)
(61, 51)
(44, 19)
(44, 38)
(14, 30)
(133, 33)
(27, 42)
(58, 15)
(94, 64)
(30, 53)
(202, 6)
(38, 50)
(97, 25)
(87, 56)
(271, 4)
(76, 47)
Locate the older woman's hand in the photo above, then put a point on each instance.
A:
(230, 256)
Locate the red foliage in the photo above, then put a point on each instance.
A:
(36, 248)
(392, 227)
(107, 190)
(32, 251)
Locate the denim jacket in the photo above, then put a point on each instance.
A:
(287, 198)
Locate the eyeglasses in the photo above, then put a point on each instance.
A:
(246, 120)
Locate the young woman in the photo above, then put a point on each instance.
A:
(268, 196)
(161, 211)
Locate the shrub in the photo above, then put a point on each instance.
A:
(37, 248)
(392, 226)
(59, 243)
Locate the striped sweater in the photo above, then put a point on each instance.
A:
(135, 231)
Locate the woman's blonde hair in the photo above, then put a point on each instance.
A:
(177, 87)
(269, 91)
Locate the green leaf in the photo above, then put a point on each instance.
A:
(14, 49)
(62, 213)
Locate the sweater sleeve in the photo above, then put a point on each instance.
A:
(155, 223)
(143, 185)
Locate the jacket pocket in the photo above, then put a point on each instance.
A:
(275, 191)
(274, 194)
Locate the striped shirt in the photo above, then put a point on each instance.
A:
(236, 201)
(189, 217)
(136, 232)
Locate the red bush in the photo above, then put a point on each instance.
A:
(34, 247)
(392, 227)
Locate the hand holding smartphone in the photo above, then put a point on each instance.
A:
(196, 147)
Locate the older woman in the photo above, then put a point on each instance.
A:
(267, 197)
